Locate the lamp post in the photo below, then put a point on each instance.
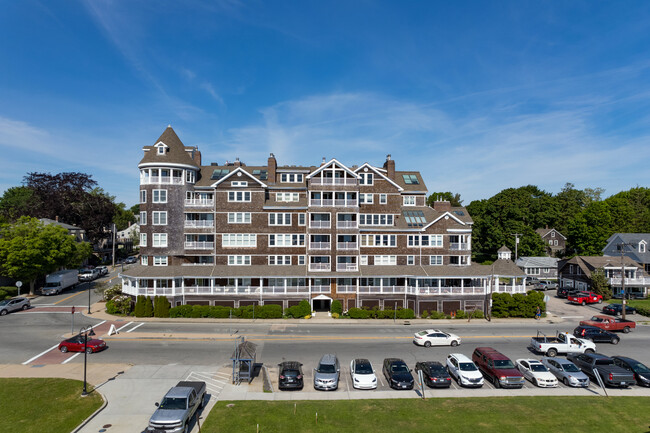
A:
(89, 287)
(86, 330)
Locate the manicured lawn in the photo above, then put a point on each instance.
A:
(44, 405)
(499, 415)
(633, 302)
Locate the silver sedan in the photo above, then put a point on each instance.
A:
(566, 371)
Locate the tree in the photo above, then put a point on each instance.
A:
(29, 250)
(588, 232)
(135, 209)
(16, 202)
(123, 217)
(600, 284)
(454, 199)
(148, 307)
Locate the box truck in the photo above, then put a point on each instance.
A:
(57, 282)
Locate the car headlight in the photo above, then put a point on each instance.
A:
(374, 380)
(356, 380)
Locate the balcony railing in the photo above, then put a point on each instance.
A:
(477, 290)
(333, 181)
(347, 267)
(320, 267)
(321, 202)
(199, 223)
(345, 203)
(199, 202)
(641, 281)
(346, 289)
(347, 246)
(346, 225)
(161, 180)
(320, 245)
(321, 289)
(199, 245)
(459, 246)
(320, 224)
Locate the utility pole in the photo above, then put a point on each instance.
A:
(516, 235)
(623, 245)
(113, 246)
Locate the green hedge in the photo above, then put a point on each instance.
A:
(517, 305)
(9, 292)
(299, 311)
(375, 313)
(221, 312)
(336, 307)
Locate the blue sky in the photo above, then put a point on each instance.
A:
(478, 96)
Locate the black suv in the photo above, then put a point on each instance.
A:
(596, 335)
(398, 374)
(435, 374)
(616, 309)
(290, 375)
(564, 292)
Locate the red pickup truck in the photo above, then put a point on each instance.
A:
(610, 323)
(583, 298)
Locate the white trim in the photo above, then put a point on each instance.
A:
(332, 161)
(399, 188)
(167, 164)
(459, 230)
(240, 170)
(441, 216)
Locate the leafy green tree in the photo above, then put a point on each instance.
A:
(29, 250)
(336, 307)
(16, 202)
(454, 199)
(123, 217)
(135, 209)
(588, 233)
(140, 302)
(148, 307)
(600, 284)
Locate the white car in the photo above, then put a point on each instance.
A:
(537, 373)
(435, 337)
(362, 373)
(464, 370)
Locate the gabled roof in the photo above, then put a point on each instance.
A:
(329, 164)
(176, 152)
(537, 262)
(442, 216)
(238, 170)
(546, 231)
(420, 187)
(382, 175)
(588, 264)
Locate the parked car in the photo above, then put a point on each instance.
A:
(497, 367)
(398, 374)
(435, 337)
(130, 260)
(362, 374)
(641, 371)
(178, 407)
(103, 270)
(546, 285)
(13, 304)
(537, 373)
(566, 371)
(596, 363)
(326, 375)
(564, 292)
(596, 335)
(76, 344)
(434, 373)
(617, 309)
(465, 372)
(610, 323)
(290, 375)
(88, 274)
(584, 298)
(563, 342)
(532, 281)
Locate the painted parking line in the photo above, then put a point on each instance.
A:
(135, 327)
(71, 358)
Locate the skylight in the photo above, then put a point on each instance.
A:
(263, 174)
(219, 173)
(411, 179)
(414, 218)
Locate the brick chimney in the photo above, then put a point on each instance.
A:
(237, 162)
(389, 165)
(442, 205)
(272, 167)
(196, 156)
(322, 163)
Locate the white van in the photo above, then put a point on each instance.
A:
(56, 282)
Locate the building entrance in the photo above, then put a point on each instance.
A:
(321, 304)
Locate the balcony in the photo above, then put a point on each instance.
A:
(347, 267)
(459, 246)
(199, 245)
(333, 181)
(199, 224)
(321, 202)
(320, 245)
(320, 224)
(346, 289)
(345, 203)
(199, 202)
(320, 267)
(477, 290)
(641, 281)
(347, 246)
(161, 180)
(347, 225)
(321, 289)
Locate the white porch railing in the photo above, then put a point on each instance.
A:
(199, 202)
(346, 224)
(333, 181)
(641, 281)
(321, 289)
(320, 224)
(321, 202)
(347, 267)
(345, 203)
(346, 289)
(199, 223)
(199, 245)
(320, 266)
(320, 245)
(347, 246)
(459, 246)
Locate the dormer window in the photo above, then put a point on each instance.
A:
(161, 150)
(642, 247)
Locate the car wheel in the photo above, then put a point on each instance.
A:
(64, 349)
(25, 307)
(583, 303)
(565, 381)
(3, 312)
(589, 351)
(89, 350)
(551, 353)
(615, 340)
(535, 382)
(495, 381)
(454, 343)
(626, 330)
(600, 301)
(427, 344)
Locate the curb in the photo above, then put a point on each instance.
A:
(94, 414)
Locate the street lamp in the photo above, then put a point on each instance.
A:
(86, 330)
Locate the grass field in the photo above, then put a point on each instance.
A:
(498, 415)
(633, 302)
(44, 405)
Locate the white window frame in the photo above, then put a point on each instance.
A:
(366, 198)
(233, 217)
(160, 260)
(239, 240)
(383, 198)
(436, 260)
(286, 240)
(159, 191)
(239, 196)
(384, 241)
(363, 260)
(410, 260)
(366, 179)
(239, 260)
(144, 260)
(287, 197)
(157, 218)
(385, 260)
(143, 218)
(189, 176)
(302, 260)
(279, 260)
(239, 183)
(159, 240)
(409, 200)
(161, 150)
(279, 219)
(291, 177)
(302, 219)
(376, 219)
(143, 239)
(143, 196)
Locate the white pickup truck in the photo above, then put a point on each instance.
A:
(178, 407)
(563, 342)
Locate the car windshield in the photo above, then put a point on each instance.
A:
(467, 366)
(5, 302)
(363, 368)
(503, 364)
(538, 367)
(326, 368)
(436, 368)
(399, 368)
(570, 368)
(640, 368)
(173, 403)
(291, 373)
(51, 284)
(422, 333)
(596, 319)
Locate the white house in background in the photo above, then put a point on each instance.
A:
(131, 232)
(543, 268)
(634, 245)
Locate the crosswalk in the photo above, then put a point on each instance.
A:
(214, 381)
